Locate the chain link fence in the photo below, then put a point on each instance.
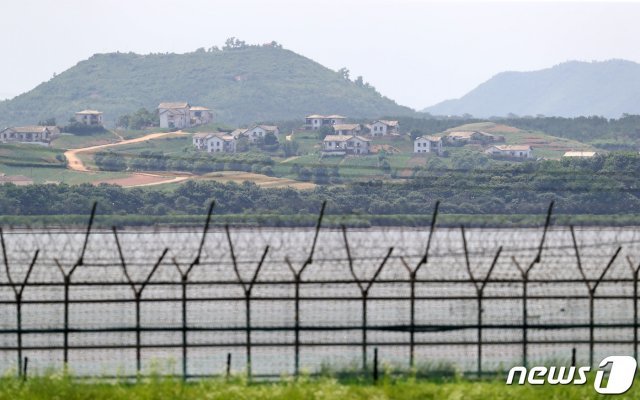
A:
(273, 301)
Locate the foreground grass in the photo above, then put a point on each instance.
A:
(61, 387)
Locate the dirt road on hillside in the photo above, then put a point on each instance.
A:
(75, 163)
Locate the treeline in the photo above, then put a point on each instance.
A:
(601, 186)
(199, 162)
(142, 118)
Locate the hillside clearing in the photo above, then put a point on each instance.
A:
(259, 179)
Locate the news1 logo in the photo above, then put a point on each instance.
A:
(621, 375)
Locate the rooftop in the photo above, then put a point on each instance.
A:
(346, 127)
(510, 147)
(174, 105)
(388, 122)
(89, 112)
(29, 129)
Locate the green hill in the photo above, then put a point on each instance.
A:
(608, 88)
(241, 85)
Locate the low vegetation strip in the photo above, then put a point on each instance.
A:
(62, 387)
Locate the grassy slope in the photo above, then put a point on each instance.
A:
(246, 85)
(544, 145)
(70, 141)
(350, 167)
(65, 388)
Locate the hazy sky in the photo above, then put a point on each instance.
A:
(415, 52)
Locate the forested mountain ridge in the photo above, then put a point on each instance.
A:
(242, 84)
(608, 88)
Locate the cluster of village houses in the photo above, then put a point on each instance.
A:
(345, 138)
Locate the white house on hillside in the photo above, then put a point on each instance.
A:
(29, 134)
(182, 115)
(174, 115)
(200, 115)
(384, 127)
(217, 142)
(90, 117)
(347, 129)
(260, 131)
(316, 121)
(516, 151)
(345, 144)
(428, 144)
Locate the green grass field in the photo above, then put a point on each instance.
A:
(69, 141)
(63, 387)
(61, 175)
(20, 154)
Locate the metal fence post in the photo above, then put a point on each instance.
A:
(524, 273)
(297, 276)
(184, 278)
(375, 365)
(364, 290)
(66, 276)
(413, 275)
(17, 291)
(635, 270)
(479, 292)
(591, 289)
(137, 294)
(247, 288)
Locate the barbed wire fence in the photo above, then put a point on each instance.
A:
(273, 301)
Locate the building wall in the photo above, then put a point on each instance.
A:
(378, 129)
(421, 146)
(179, 117)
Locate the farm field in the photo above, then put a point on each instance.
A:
(59, 175)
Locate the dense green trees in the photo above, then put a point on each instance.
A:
(142, 118)
(603, 185)
(110, 161)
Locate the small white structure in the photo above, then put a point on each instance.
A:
(428, 144)
(580, 154)
(217, 142)
(345, 144)
(260, 131)
(347, 129)
(384, 127)
(180, 115)
(89, 117)
(200, 116)
(221, 143)
(515, 151)
(29, 134)
(316, 121)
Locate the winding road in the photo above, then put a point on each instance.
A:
(144, 179)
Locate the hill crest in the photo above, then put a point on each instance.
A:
(570, 89)
(256, 83)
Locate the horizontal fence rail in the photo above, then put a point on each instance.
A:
(273, 301)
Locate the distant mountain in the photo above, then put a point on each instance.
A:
(251, 84)
(608, 88)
